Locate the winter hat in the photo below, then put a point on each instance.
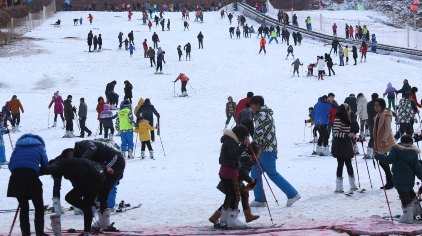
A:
(406, 139)
(69, 96)
(113, 82)
(407, 94)
(360, 95)
(405, 81)
(82, 99)
(56, 93)
(126, 103)
(414, 90)
(241, 132)
(147, 101)
(374, 96)
(351, 95)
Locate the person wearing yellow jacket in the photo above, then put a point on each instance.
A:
(143, 130)
(125, 125)
(346, 54)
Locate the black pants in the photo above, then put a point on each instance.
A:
(89, 47)
(184, 83)
(131, 41)
(155, 44)
(69, 125)
(120, 44)
(232, 193)
(146, 143)
(159, 66)
(296, 69)
(128, 98)
(340, 164)
(187, 55)
(371, 135)
(330, 68)
(262, 48)
(106, 129)
(347, 59)
(231, 34)
(406, 128)
(406, 197)
(7, 119)
(100, 127)
(152, 132)
(61, 116)
(180, 57)
(84, 129)
(110, 181)
(201, 44)
(83, 198)
(387, 171)
(323, 135)
(229, 118)
(16, 119)
(354, 58)
(238, 35)
(152, 60)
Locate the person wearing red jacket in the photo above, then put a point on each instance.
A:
(351, 32)
(184, 79)
(241, 105)
(100, 108)
(262, 43)
(414, 90)
(332, 112)
(363, 50)
(145, 46)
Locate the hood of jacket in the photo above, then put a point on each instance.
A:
(407, 147)
(106, 107)
(28, 140)
(265, 109)
(228, 134)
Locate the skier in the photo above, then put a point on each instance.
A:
(86, 177)
(131, 38)
(90, 18)
(362, 114)
(346, 28)
(187, 49)
(7, 116)
(231, 31)
(131, 49)
(100, 42)
(262, 43)
(342, 148)
(273, 36)
(246, 31)
(265, 137)
(129, 14)
(160, 60)
(144, 129)
(352, 101)
(404, 157)
(120, 37)
(145, 46)
(82, 113)
(99, 109)
(106, 118)
(179, 52)
(151, 55)
(184, 80)
(200, 40)
(290, 51)
(155, 39)
(406, 87)
(241, 105)
(162, 23)
(299, 38)
(355, 54)
(112, 97)
(186, 26)
(156, 20)
(363, 50)
(296, 65)
(320, 66)
(330, 64)
(95, 42)
(128, 91)
(80, 21)
(69, 116)
(371, 116)
(334, 45)
(332, 111)
(230, 109)
(89, 40)
(246, 118)
(125, 125)
(24, 183)
(405, 115)
(58, 107)
(147, 111)
(321, 118)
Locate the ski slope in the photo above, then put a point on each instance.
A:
(179, 190)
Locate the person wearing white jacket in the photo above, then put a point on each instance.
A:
(362, 112)
(320, 67)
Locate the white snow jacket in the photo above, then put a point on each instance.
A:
(320, 64)
(362, 111)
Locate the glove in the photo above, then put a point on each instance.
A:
(57, 206)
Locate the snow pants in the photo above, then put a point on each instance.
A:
(273, 38)
(267, 162)
(391, 103)
(406, 197)
(184, 83)
(127, 140)
(61, 116)
(16, 119)
(323, 135)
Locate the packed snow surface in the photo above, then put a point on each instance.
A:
(180, 189)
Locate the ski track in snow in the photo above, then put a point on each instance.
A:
(180, 189)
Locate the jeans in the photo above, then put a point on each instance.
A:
(273, 38)
(267, 162)
(127, 140)
(111, 202)
(391, 103)
(84, 129)
(61, 116)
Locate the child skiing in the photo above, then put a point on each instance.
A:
(3, 130)
(125, 127)
(143, 130)
(106, 118)
(390, 91)
(90, 18)
(262, 43)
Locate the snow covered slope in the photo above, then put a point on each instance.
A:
(180, 189)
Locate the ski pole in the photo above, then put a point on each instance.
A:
(161, 141)
(159, 135)
(48, 117)
(385, 192)
(136, 142)
(262, 171)
(366, 162)
(356, 161)
(266, 202)
(191, 87)
(96, 132)
(304, 130)
(174, 89)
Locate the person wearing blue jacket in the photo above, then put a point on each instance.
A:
(131, 48)
(24, 183)
(160, 60)
(404, 157)
(321, 115)
(3, 130)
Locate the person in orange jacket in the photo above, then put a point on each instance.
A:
(184, 79)
(15, 107)
(143, 130)
(262, 44)
(414, 90)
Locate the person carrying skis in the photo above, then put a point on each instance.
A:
(144, 130)
(147, 111)
(106, 118)
(200, 40)
(99, 109)
(86, 177)
(160, 60)
(230, 109)
(296, 65)
(125, 125)
(185, 25)
(89, 40)
(24, 183)
(120, 37)
(342, 146)
(179, 52)
(82, 113)
(151, 56)
(155, 39)
(58, 107)
(184, 80)
(128, 91)
(187, 49)
(404, 157)
(262, 43)
(265, 137)
(69, 116)
(290, 51)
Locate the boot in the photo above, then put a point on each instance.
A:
(71, 135)
(54, 124)
(339, 185)
(248, 216)
(56, 224)
(318, 150)
(292, 200)
(257, 204)
(417, 210)
(64, 124)
(327, 151)
(142, 154)
(250, 186)
(370, 153)
(151, 154)
(214, 218)
(110, 137)
(233, 220)
(389, 184)
(407, 217)
(352, 183)
(130, 154)
(223, 217)
(104, 219)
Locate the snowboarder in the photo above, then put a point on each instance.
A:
(200, 40)
(128, 91)
(89, 40)
(290, 51)
(120, 37)
(262, 43)
(186, 26)
(187, 49)
(155, 39)
(131, 49)
(99, 109)
(125, 125)
(151, 56)
(58, 107)
(230, 109)
(184, 80)
(143, 129)
(82, 113)
(179, 52)
(296, 65)
(24, 183)
(106, 118)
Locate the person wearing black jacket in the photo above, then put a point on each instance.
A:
(131, 38)
(355, 54)
(155, 39)
(371, 115)
(69, 116)
(100, 42)
(330, 64)
(200, 40)
(148, 111)
(406, 87)
(162, 23)
(82, 113)
(334, 45)
(112, 97)
(89, 40)
(120, 37)
(151, 55)
(86, 177)
(104, 152)
(187, 49)
(352, 101)
(95, 40)
(128, 91)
